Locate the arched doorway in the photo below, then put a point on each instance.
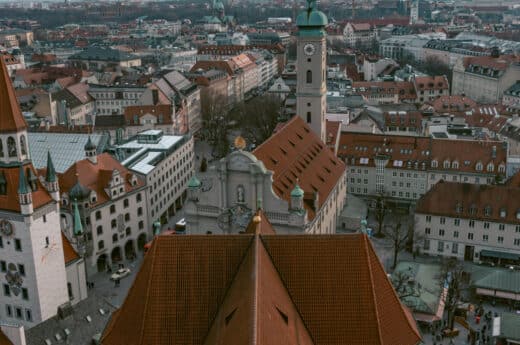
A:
(129, 250)
(141, 241)
(102, 263)
(116, 255)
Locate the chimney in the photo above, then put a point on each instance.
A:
(155, 97)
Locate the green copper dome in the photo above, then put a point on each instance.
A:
(297, 192)
(194, 182)
(312, 19)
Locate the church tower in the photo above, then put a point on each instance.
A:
(311, 87)
(32, 276)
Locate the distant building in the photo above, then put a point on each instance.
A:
(359, 34)
(112, 100)
(511, 98)
(97, 58)
(471, 222)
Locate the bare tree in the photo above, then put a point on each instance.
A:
(404, 285)
(454, 279)
(215, 123)
(258, 117)
(400, 235)
(381, 210)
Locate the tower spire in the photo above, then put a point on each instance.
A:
(51, 172)
(12, 119)
(78, 227)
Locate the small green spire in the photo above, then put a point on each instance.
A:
(89, 145)
(23, 188)
(78, 227)
(297, 192)
(51, 172)
(194, 182)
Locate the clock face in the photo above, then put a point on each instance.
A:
(6, 228)
(309, 49)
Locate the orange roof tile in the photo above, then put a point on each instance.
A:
(140, 110)
(261, 289)
(473, 199)
(259, 224)
(69, 252)
(11, 119)
(96, 176)
(294, 153)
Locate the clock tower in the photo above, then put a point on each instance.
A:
(311, 87)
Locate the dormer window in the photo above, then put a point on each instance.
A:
(487, 211)
(490, 167)
(455, 165)
(93, 198)
(458, 207)
(503, 213)
(473, 209)
(446, 164)
(479, 167)
(434, 163)
(501, 168)
(517, 214)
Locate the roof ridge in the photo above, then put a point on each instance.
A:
(285, 124)
(154, 248)
(261, 237)
(256, 269)
(228, 288)
(364, 238)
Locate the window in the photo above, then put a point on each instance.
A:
(426, 245)
(141, 225)
(517, 228)
(456, 222)
(454, 248)
(138, 197)
(99, 230)
(1, 242)
(441, 232)
(101, 245)
(98, 215)
(21, 269)
(443, 220)
(470, 236)
(8, 310)
(128, 231)
(18, 313)
(28, 315)
(471, 223)
(127, 217)
(7, 290)
(485, 237)
(455, 234)
(500, 239)
(139, 211)
(309, 117)
(517, 242)
(428, 219)
(125, 203)
(25, 294)
(427, 231)
(44, 217)
(69, 290)
(486, 225)
(11, 147)
(114, 238)
(501, 227)
(3, 266)
(440, 246)
(17, 245)
(309, 76)
(112, 209)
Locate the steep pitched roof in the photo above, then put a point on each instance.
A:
(11, 119)
(4, 340)
(261, 289)
(294, 153)
(69, 252)
(259, 224)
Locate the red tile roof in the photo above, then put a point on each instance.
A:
(69, 252)
(452, 103)
(403, 89)
(501, 63)
(11, 119)
(97, 176)
(261, 289)
(156, 110)
(503, 202)
(294, 153)
(431, 83)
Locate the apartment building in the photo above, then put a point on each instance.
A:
(471, 222)
(74, 106)
(112, 100)
(362, 34)
(385, 92)
(511, 98)
(139, 118)
(429, 88)
(405, 167)
(485, 78)
(166, 163)
(97, 58)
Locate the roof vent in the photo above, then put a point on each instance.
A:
(66, 331)
(88, 318)
(283, 315)
(101, 311)
(58, 337)
(230, 316)
(48, 342)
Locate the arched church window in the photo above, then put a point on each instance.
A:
(309, 77)
(11, 147)
(1, 148)
(23, 146)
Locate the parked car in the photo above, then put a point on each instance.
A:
(120, 273)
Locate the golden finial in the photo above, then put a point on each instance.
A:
(257, 219)
(240, 143)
